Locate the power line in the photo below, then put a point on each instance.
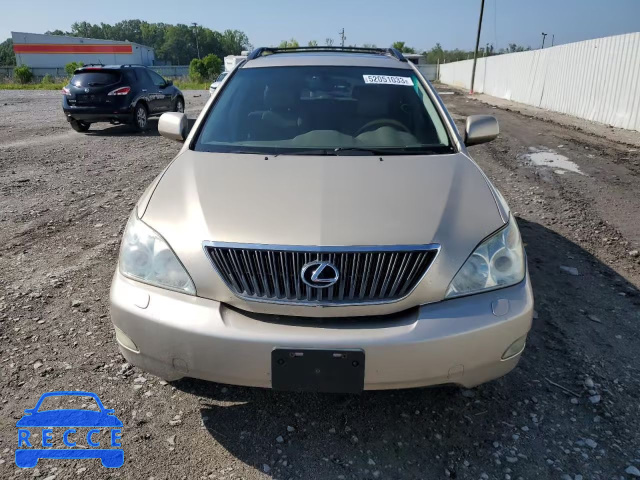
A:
(195, 32)
(475, 53)
(495, 24)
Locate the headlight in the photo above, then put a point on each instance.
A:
(147, 257)
(497, 262)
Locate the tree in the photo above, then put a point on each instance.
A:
(212, 65)
(513, 47)
(435, 55)
(400, 46)
(293, 43)
(197, 70)
(312, 43)
(172, 43)
(206, 69)
(72, 67)
(7, 57)
(234, 41)
(328, 41)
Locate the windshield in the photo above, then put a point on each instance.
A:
(321, 110)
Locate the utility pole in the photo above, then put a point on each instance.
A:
(553, 37)
(195, 26)
(475, 53)
(544, 35)
(342, 37)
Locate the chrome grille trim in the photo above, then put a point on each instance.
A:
(369, 275)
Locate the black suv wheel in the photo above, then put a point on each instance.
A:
(80, 126)
(140, 117)
(179, 107)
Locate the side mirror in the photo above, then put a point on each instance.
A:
(168, 83)
(480, 129)
(173, 125)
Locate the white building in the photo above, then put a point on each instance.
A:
(55, 51)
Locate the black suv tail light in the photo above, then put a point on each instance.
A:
(120, 91)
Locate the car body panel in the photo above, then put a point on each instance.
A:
(213, 87)
(323, 201)
(459, 341)
(324, 58)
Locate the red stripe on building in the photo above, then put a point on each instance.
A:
(70, 48)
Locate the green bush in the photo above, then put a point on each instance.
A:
(72, 66)
(213, 66)
(197, 70)
(23, 74)
(206, 69)
(47, 79)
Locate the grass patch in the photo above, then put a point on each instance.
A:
(192, 85)
(31, 86)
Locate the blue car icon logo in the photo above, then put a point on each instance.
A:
(97, 422)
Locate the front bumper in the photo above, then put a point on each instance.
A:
(459, 341)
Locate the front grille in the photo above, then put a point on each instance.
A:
(366, 274)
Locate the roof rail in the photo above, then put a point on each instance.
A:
(261, 51)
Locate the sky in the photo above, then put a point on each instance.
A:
(419, 23)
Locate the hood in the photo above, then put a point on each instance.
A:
(323, 201)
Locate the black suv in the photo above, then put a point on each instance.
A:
(118, 94)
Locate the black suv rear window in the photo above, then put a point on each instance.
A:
(95, 79)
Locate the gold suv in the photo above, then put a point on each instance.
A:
(323, 228)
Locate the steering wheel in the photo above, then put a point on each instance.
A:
(381, 122)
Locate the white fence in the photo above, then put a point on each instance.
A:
(170, 71)
(430, 72)
(598, 80)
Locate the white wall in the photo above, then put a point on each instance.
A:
(430, 72)
(598, 79)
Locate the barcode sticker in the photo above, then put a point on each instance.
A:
(388, 80)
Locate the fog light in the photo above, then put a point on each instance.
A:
(125, 341)
(515, 348)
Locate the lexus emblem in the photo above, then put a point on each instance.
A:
(86, 90)
(319, 274)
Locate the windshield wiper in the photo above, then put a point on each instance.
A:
(422, 150)
(372, 151)
(308, 151)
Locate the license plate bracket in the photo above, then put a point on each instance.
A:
(317, 370)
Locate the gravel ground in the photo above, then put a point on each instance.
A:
(569, 411)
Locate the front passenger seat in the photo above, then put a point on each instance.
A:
(280, 120)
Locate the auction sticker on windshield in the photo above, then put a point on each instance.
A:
(388, 80)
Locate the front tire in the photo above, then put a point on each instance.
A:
(140, 117)
(179, 106)
(79, 126)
